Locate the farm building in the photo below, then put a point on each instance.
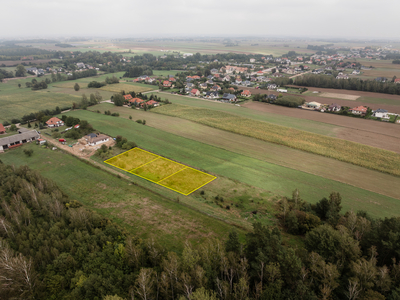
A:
(54, 122)
(18, 139)
(94, 139)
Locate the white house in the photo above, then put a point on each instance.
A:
(381, 113)
(94, 139)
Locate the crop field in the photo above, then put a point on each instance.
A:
(160, 170)
(339, 96)
(256, 164)
(358, 154)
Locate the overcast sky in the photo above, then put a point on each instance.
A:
(133, 18)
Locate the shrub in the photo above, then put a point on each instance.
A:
(28, 152)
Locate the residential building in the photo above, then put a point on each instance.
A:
(2, 129)
(359, 110)
(167, 83)
(246, 93)
(96, 139)
(381, 113)
(152, 103)
(54, 122)
(194, 92)
(211, 95)
(334, 107)
(229, 97)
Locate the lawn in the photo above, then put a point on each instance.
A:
(139, 210)
(271, 178)
(160, 170)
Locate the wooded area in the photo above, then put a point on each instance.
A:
(53, 248)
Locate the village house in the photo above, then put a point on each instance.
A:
(203, 85)
(397, 80)
(246, 93)
(167, 83)
(271, 97)
(334, 107)
(18, 139)
(194, 92)
(381, 113)
(214, 71)
(211, 95)
(216, 88)
(342, 76)
(128, 97)
(152, 103)
(2, 129)
(229, 97)
(136, 101)
(94, 139)
(359, 110)
(54, 122)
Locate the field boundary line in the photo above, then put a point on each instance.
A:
(164, 158)
(106, 161)
(172, 174)
(145, 164)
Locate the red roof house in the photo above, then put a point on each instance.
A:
(2, 129)
(246, 93)
(167, 83)
(359, 110)
(397, 80)
(152, 103)
(54, 122)
(128, 97)
(195, 92)
(136, 101)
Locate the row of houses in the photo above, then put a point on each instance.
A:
(358, 110)
(139, 102)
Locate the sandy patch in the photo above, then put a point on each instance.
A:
(339, 96)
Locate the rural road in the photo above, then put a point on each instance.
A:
(299, 74)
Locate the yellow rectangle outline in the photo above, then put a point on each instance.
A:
(159, 156)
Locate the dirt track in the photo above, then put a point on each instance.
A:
(368, 132)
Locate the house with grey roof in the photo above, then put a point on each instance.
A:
(229, 97)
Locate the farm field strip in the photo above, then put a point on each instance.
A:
(260, 164)
(160, 170)
(358, 154)
(339, 96)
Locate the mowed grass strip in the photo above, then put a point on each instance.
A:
(131, 159)
(354, 153)
(187, 181)
(158, 169)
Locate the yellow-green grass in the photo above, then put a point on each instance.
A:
(358, 154)
(128, 162)
(160, 170)
(187, 180)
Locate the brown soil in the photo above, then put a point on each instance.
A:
(368, 132)
(350, 103)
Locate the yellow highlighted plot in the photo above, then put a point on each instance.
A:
(160, 170)
(132, 159)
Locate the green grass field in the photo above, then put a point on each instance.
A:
(17, 102)
(354, 153)
(160, 170)
(256, 172)
(140, 211)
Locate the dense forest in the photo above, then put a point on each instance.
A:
(53, 248)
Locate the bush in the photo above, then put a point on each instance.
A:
(28, 152)
(73, 134)
(6, 123)
(96, 84)
(15, 121)
(290, 101)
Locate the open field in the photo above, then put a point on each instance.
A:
(358, 154)
(255, 172)
(18, 62)
(372, 133)
(376, 134)
(381, 68)
(16, 102)
(339, 96)
(160, 170)
(140, 211)
(283, 156)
